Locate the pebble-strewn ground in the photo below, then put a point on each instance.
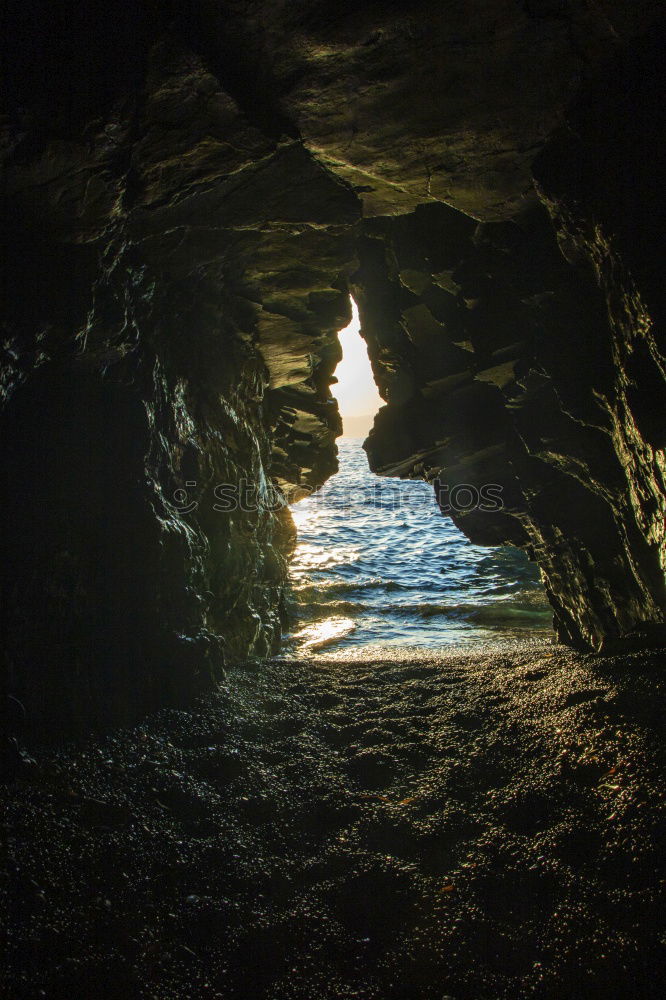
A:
(470, 827)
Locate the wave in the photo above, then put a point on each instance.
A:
(493, 611)
(403, 579)
(305, 590)
(322, 609)
(521, 608)
(507, 614)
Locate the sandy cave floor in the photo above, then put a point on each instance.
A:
(457, 826)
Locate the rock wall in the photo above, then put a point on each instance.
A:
(498, 365)
(531, 356)
(176, 282)
(189, 191)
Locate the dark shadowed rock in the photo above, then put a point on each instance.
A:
(189, 192)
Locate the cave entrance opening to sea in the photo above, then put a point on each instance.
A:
(376, 565)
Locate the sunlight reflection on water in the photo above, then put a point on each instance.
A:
(377, 565)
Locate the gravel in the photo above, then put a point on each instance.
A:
(442, 826)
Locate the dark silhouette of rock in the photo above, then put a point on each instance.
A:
(189, 192)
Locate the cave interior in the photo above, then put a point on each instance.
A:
(190, 195)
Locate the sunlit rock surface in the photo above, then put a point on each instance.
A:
(187, 195)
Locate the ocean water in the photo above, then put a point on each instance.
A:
(378, 566)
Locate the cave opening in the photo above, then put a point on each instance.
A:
(354, 387)
(376, 564)
(420, 811)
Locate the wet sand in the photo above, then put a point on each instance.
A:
(474, 827)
